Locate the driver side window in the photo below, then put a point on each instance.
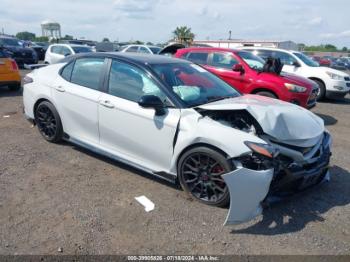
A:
(286, 59)
(131, 83)
(223, 60)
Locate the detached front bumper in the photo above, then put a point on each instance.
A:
(250, 190)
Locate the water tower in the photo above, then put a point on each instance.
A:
(51, 29)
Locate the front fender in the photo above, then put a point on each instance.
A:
(195, 129)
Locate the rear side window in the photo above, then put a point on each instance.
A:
(144, 50)
(223, 60)
(67, 71)
(198, 57)
(286, 59)
(56, 49)
(87, 72)
(264, 54)
(65, 51)
(132, 49)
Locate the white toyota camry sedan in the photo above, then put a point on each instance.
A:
(174, 119)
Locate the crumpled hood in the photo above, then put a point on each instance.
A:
(285, 122)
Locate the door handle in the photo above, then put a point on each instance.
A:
(60, 88)
(106, 103)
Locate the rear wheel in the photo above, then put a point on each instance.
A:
(199, 172)
(14, 87)
(321, 91)
(266, 93)
(49, 122)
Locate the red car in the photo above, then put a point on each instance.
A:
(243, 71)
(323, 61)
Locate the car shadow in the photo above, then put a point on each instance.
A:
(121, 165)
(328, 120)
(340, 101)
(309, 206)
(5, 92)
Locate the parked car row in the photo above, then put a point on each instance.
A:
(174, 119)
(339, 63)
(22, 55)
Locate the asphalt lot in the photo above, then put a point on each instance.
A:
(61, 196)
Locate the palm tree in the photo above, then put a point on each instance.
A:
(183, 34)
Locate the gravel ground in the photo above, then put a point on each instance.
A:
(62, 197)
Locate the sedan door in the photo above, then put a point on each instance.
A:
(130, 131)
(76, 95)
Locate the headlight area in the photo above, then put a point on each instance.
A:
(295, 88)
(334, 76)
(262, 157)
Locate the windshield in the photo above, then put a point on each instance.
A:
(307, 60)
(81, 49)
(155, 50)
(193, 84)
(9, 42)
(253, 61)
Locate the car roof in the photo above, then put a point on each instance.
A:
(71, 45)
(268, 48)
(8, 37)
(210, 49)
(137, 58)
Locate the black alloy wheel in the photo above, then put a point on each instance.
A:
(49, 122)
(200, 174)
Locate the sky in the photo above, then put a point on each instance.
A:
(311, 22)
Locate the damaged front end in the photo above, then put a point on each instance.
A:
(271, 170)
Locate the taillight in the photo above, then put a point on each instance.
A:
(14, 65)
(27, 79)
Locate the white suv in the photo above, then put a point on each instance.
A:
(57, 52)
(146, 49)
(333, 83)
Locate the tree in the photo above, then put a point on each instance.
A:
(41, 39)
(26, 36)
(105, 39)
(138, 42)
(149, 43)
(183, 34)
(67, 37)
(330, 47)
(344, 49)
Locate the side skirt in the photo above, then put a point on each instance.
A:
(163, 175)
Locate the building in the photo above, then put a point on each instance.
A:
(51, 29)
(235, 43)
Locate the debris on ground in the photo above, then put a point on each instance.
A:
(148, 204)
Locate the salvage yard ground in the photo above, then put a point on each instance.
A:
(62, 197)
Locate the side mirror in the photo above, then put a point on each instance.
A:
(152, 101)
(296, 64)
(238, 68)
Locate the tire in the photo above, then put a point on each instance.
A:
(14, 87)
(49, 122)
(200, 184)
(322, 90)
(266, 93)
